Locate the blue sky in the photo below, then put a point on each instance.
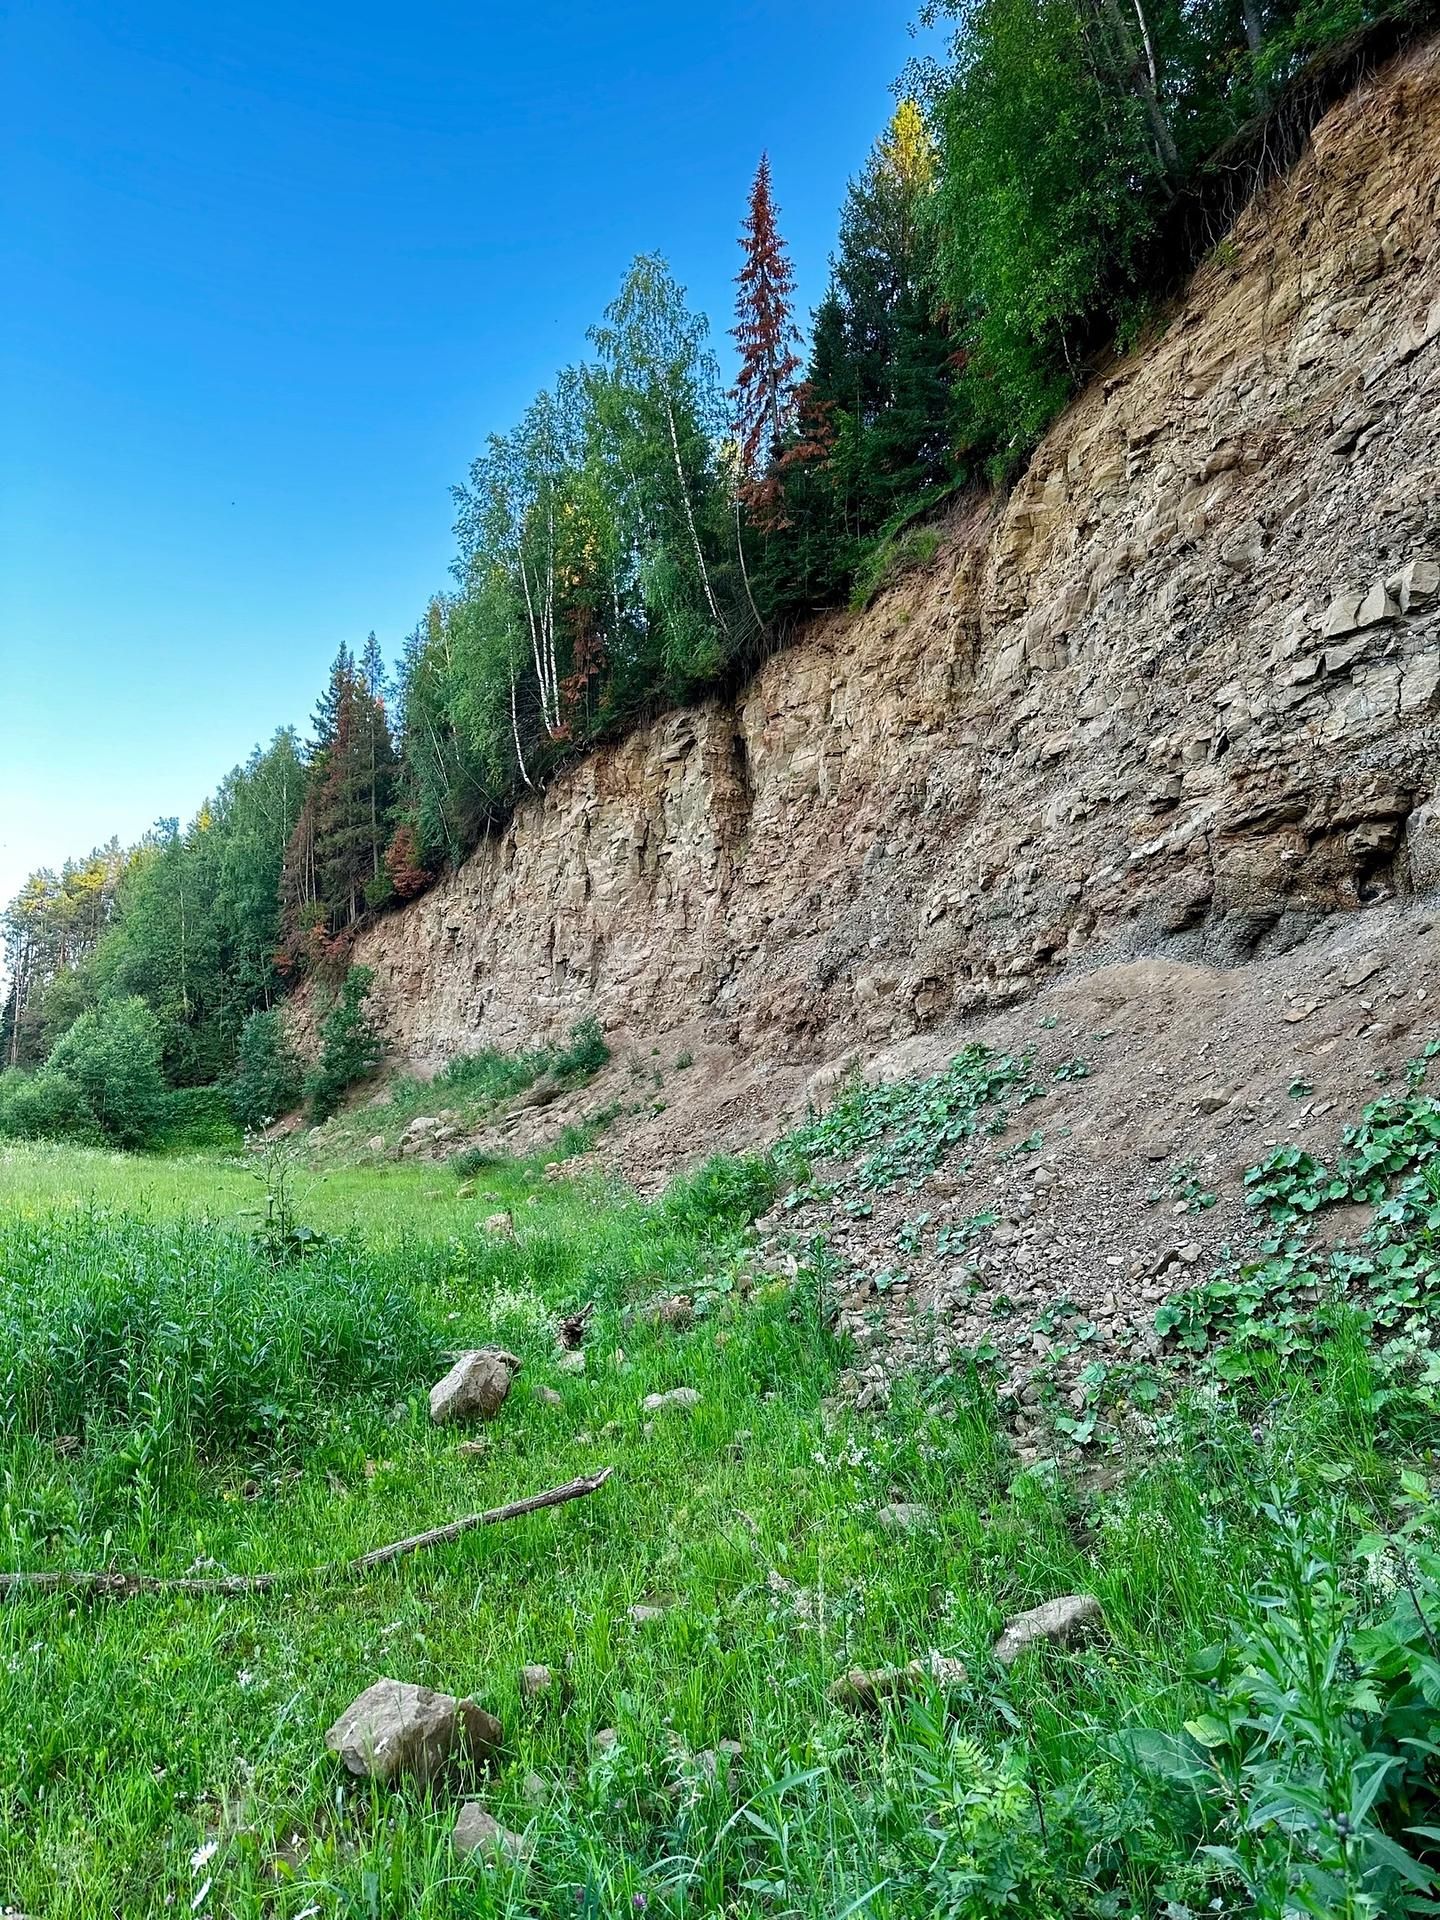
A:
(273, 270)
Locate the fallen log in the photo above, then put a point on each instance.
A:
(120, 1585)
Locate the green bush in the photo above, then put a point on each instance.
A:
(490, 1075)
(197, 1120)
(725, 1194)
(350, 1046)
(586, 1053)
(268, 1077)
(113, 1056)
(47, 1105)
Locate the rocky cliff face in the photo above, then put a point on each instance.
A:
(1175, 694)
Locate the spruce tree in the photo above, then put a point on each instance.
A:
(764, 332)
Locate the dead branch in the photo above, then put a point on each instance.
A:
(122, 1585)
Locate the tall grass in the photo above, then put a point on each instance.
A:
(142, 1353)
(108, 1318)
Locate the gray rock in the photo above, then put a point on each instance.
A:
(376, 1143)
(1417, 584)
(1341, 616)
(394, 1728)
(868, 1687)
(904, 1516)
(1243, 550)
(572, 1362)
(475, 1387)
(1422, 845)
(502, 1225)
(714, 1761)
(477, 1831)
(1057, 1621)
(1376, 607)
(677, 1312)
(642, 1616)
(681, 1397)
(535, 1681)
(1337, 659)
(548, 1397)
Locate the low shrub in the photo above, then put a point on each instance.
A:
(197, 1120)
(47, 1105)
(489, 1075)
(268, 1078)
(182, 1329)
(113, 1056)
(585, 1054)
(722, 1196)
(351, 1046)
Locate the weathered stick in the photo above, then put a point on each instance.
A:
(124, 1584)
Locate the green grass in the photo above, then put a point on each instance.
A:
(171, 1398)
(472, 1086)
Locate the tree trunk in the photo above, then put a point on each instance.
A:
(1141, 76)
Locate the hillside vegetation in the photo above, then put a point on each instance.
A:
(650, 525)
(774, 1680)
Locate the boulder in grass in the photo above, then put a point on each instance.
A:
(1058, 1622)
(475, 1387)
(683, 1398)
(867, 1688)
(396, 1729)
(477, 1831)
(535, 1681)
(905, 1516)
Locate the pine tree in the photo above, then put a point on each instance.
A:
(764, 331)
(326, 718)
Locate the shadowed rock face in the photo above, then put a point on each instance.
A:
(1175, 694)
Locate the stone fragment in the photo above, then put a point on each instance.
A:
(1242, 551)
(502, 1225)
(1337, 659)
(376, 1143)
(904, 1516)
(713, 1761)
(868, 1687)
(1057, 1621)
(605, 1739)
(677, 1312)
(535, 1680)
(572, 1362)
(475, 1387)
(1417, 584)
(548, 1397)
(1376, 607)
(1422, 847)
(394, 1728)
(643, 1616)
(477, 1831)
(680, 1397)
(1342, 615)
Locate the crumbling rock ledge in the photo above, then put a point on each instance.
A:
(1175, 694)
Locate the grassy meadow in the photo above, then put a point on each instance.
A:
(172, 1399)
